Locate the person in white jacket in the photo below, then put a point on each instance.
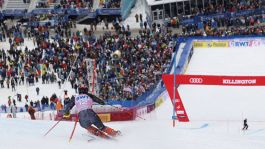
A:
(13, 110)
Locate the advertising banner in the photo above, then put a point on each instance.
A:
(104, 117)
(246, 43)
(210, 44)
(219, 80)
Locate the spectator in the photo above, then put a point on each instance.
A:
(13, 84)
(26, 107)
(141, 17)
(137, 18)
(59, 106)
(59, 84)
(31, 112)
(13, 110)
(9, 101)
(26, 98)
(37, 90)
(76, 86)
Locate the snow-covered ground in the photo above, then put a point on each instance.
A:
(215, 113)
(139, 8)
(155, 132)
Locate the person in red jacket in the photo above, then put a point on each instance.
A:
(31, 112)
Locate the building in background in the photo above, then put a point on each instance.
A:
(159, 10)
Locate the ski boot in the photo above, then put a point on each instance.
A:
(97, 132)
(111, 132)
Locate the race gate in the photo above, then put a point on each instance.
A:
(179, 108)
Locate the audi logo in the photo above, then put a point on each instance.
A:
(196, 80)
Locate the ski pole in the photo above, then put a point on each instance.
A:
(127, 112)
(53, 126)
(73, 130)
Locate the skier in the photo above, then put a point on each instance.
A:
(87, 116)
(245, 125)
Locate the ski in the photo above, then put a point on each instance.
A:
(89, 137)
(103, 136)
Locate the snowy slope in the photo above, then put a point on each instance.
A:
(155, 132)
(220, 102)
(216, 114)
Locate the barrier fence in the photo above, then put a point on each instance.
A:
(69, 11)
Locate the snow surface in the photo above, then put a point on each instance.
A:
(215, 112)
(139, 8)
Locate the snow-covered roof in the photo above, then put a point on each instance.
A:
(158, 2)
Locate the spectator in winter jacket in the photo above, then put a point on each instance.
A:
(31, 112)
(37, 90)
(59, 106)
(75, 86)
(9, 101)
(59, 84)
(26, 98)
(13, 84)
(13, 110)
(26, 107)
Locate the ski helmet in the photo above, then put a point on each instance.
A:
(83, 89)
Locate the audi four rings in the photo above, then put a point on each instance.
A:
(196, 80)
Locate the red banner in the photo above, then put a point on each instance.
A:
(205, 80)
(220, 80)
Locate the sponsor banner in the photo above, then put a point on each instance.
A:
(246, 43)
(221, 80)
(150, 108)
(210, 44)
(216, 80)
(141, 111)
(104, 117)
(158, 102)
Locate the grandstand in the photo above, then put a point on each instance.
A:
(17, 4)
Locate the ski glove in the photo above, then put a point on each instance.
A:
(66, 115)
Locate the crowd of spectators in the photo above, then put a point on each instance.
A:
(42, 4)
(62, 57)
(227, 26)
(228, 6)
(75, 4)
(110, 3)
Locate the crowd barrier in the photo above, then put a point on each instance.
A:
(69, 12)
